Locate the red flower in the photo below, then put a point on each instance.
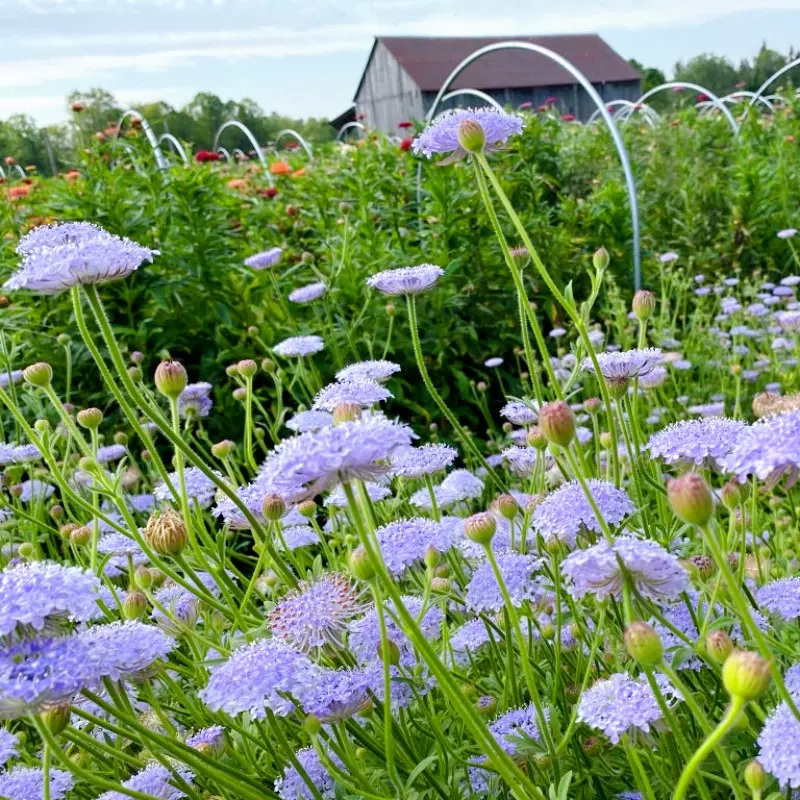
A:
(526, 104)
(568, 117)
(406, 143)
(361, 116)
(677, 89)
(543, 108)
(551, 101)
(405, 124)
(202, 156)
(77, 107)
(270, 191)
(701, 98)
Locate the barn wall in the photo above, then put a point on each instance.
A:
(569, 99)
(387, 95)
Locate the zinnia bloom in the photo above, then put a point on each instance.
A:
(279, 168)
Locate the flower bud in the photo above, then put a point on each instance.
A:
(480, 528)
(507, 506)
(239, 393)
(592, 405)
(135, 373)
(392, 654)
(618, 387)
(441, 584)
(232, 370)
(166, 533)
(536, 438)
(703, 565)
(137, 357)
(745, 675)
(691, 499)
(471, 136)
(718, 646)
(273, 507)
(66, 530)
(142, 577)
(56, 717)
(606, 440)
(734, 494)
(222, 449)
(312, 724)
(89, 465)
(81, 536)
(592, 745)
(557, 422)
(135, 605)
(360, 565)
(486, 705)
(247, 367)
(39, 374)
(267, 365)
(754, 776)
(644, 303)
(643, 644)
(308, 508)
(431, 557)
(171, 379)
(90, 417)
(42, 426)
(346, 412)
(390, 309)
(601, 258)
(26, 551)
(520, 256)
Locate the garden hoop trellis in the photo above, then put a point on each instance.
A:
(772, 78)
(176, 146)
(234, 123)
(298, 138)
(712, 98)
(148, 132)
(623, 110)
(596, 99)
(349, 127)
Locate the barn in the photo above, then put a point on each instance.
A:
(404, 73)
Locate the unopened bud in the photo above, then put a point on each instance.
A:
(734, 494)
(42, 426)
(66, 530)
(507, 506)
(360, 565)
(40, 374)
(441, 584)
(120, 437)
(390, 309)
(90, 417)
(745, 675)
(166, 533)
(601, 258)
(592, 405)
(691, 499)
(273, 507)
(644, 303)
(704, 565)
(643, 644)
(471, 136)
(536, 438)
(557, 422)
(56, 717)
(63, 339)
(171, 379)
(391, 654)
(754, 776)
(431, 557)
(239, 393)
(486, 705)
(247, 367)
(312, 724)
(222, 449)
(26, 551)
(57, 511)
(480, 528)
(520, 256)
(606, 440)
(346, 412)
(135, 373)
(308, 508)
(135, 605)
(137, 357)
(81, 536)
(232, 370)
(718, 646)
(143, 577)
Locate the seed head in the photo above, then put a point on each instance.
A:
(166, 533)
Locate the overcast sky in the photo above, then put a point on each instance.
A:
(304, 57)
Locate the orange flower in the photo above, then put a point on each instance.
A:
(279, 168)
(298, 173)
(72, 175)
(10, 161)
(15, 192)
(237, 183)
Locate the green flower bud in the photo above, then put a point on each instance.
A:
(480, 528)
(507, 506)
(392, 654)
(26, 551)
(222, 449)
(643, 644)
(557, 422)
(239, 393)
(734, 494)
(718, 646)
(360, 565)
(601, 258)
(90, 418)
(247, 367)
(644, 303)
(754, 776)
(135, 373)
(135, 605)
(143, 577)
(81, 536)
(273, 507)
(691, 499)
(39, 374)
(745, 675)
(471, 136)
(308, 508)
(171, 379)
(63, 339)
(536, 438)
(56, 717)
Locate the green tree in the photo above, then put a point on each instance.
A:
(712, 72)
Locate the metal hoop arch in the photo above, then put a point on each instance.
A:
(350, 125)
(234, 123)
(772, 78)
(734, 97)
(712, 98)
(237, 151)
(16, 167)
(625, 106)
(298, 138)
(176, 146)
(488, 99)
(596, 99)
(148, 132)
(225, 154)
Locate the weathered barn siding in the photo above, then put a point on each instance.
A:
(569, 99)
(387, 94)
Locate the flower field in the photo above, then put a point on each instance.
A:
(372, 476)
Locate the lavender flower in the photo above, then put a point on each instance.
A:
(9, 746)
(53, 261)
(512, 729)
(340, 694)
(441, 135)
(361, 393)
(7, 378)
(619, 703)
(262, 675)
(519, 413)
(778, 751)
(781, 597)
(39, 672)
(315, 614)
(624, 365)
(417, 462)
(378, 371)
(521, 460)
(468, 639)
(296, 536)
(200, 489)
(655, 573)
(376, 493)
(715, 409)
(111, 452)
(121, 550)
(312, 462)
(405, 542)
(23, 453)
(788, 320)
(299, 346)
(405, 280)
(666, 258)
(305, 421)
(252, 496)
(462, 485)
(493, 362)
(483, 591)
(154, 780)
(212, 738)
(566, 513)
(786, 233)
(699, 442)
(126, 650)
(767, 449)
(35, 489)
(194, 400)
(293, 787)
(27, 783)
(176, 609)
(43, 591)
(365, 636)
(264, 260)
(308, 293)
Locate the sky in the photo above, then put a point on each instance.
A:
(304, 57)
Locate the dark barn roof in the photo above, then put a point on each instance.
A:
(429, 60)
